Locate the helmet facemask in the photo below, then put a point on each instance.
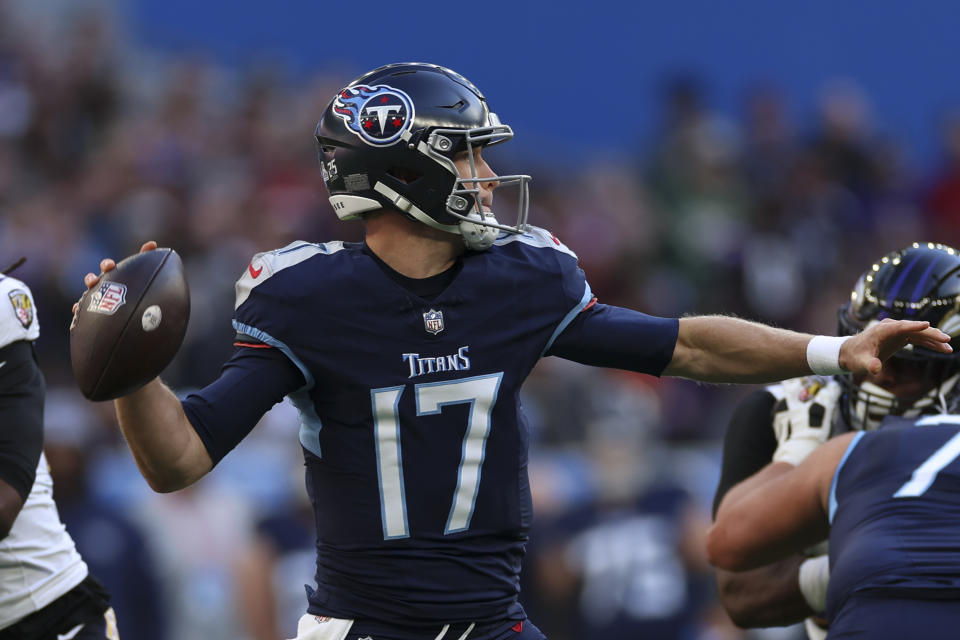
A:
(866, 404)
(479, 228)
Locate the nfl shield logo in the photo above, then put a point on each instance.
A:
(108, 298)
(23, 307)
(433, 321)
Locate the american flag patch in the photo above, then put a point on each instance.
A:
(109, 297)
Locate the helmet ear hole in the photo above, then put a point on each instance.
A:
(404, 174)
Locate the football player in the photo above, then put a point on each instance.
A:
(46, 592)
(785, 422)
(890, 501)
(405, 355)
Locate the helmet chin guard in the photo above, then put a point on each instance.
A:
(389, 139)
(478, 232)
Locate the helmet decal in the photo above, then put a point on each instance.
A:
(378, 115)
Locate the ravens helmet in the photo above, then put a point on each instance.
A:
(920, 282)
(388, 140)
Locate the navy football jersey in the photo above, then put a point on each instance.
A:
(633, 581)
(895, 513)
(410, 418)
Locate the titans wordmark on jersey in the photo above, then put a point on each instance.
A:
(415, 445)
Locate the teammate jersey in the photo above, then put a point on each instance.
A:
(895, 513)
(414, 439)
(633, 580)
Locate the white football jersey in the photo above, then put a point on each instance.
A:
(38, 559)
(18, 314)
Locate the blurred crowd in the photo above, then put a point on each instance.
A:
(103, 146)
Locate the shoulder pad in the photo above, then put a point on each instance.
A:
(18, 314)
(264, 266)
(536, 237)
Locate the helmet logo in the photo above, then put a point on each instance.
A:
(378, 115)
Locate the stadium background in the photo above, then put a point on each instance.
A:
(738, 157)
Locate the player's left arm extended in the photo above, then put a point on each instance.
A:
(777, 512)
(727, 349)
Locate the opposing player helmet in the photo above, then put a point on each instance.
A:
(388, 139)
(921, 282)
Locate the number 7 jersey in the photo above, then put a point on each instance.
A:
(895, 512)
(410, 418)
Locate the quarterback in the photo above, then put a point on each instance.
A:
(405, 355)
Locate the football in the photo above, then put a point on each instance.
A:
(129, 326)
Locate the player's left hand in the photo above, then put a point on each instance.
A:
(866, 351)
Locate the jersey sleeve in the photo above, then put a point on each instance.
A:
(250, 383)
(749, 442)
(18, 317)
(266, 307)
(21, 416)
(563, 267)
(607, 336)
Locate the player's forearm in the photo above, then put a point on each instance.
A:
(168, 451)
(765, 518)
(766, 597)
(726, 349)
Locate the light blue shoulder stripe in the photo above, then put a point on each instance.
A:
(536, 237)
(836, 473)
(310, 424)
(567, 319)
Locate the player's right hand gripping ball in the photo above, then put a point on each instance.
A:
(130, 324)
(803, 416)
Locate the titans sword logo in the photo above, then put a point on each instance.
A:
(378, 115)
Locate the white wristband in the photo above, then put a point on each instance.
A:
(823, 354)
(814, 576)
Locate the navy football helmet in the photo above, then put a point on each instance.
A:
(921, 282)
(388, 139)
